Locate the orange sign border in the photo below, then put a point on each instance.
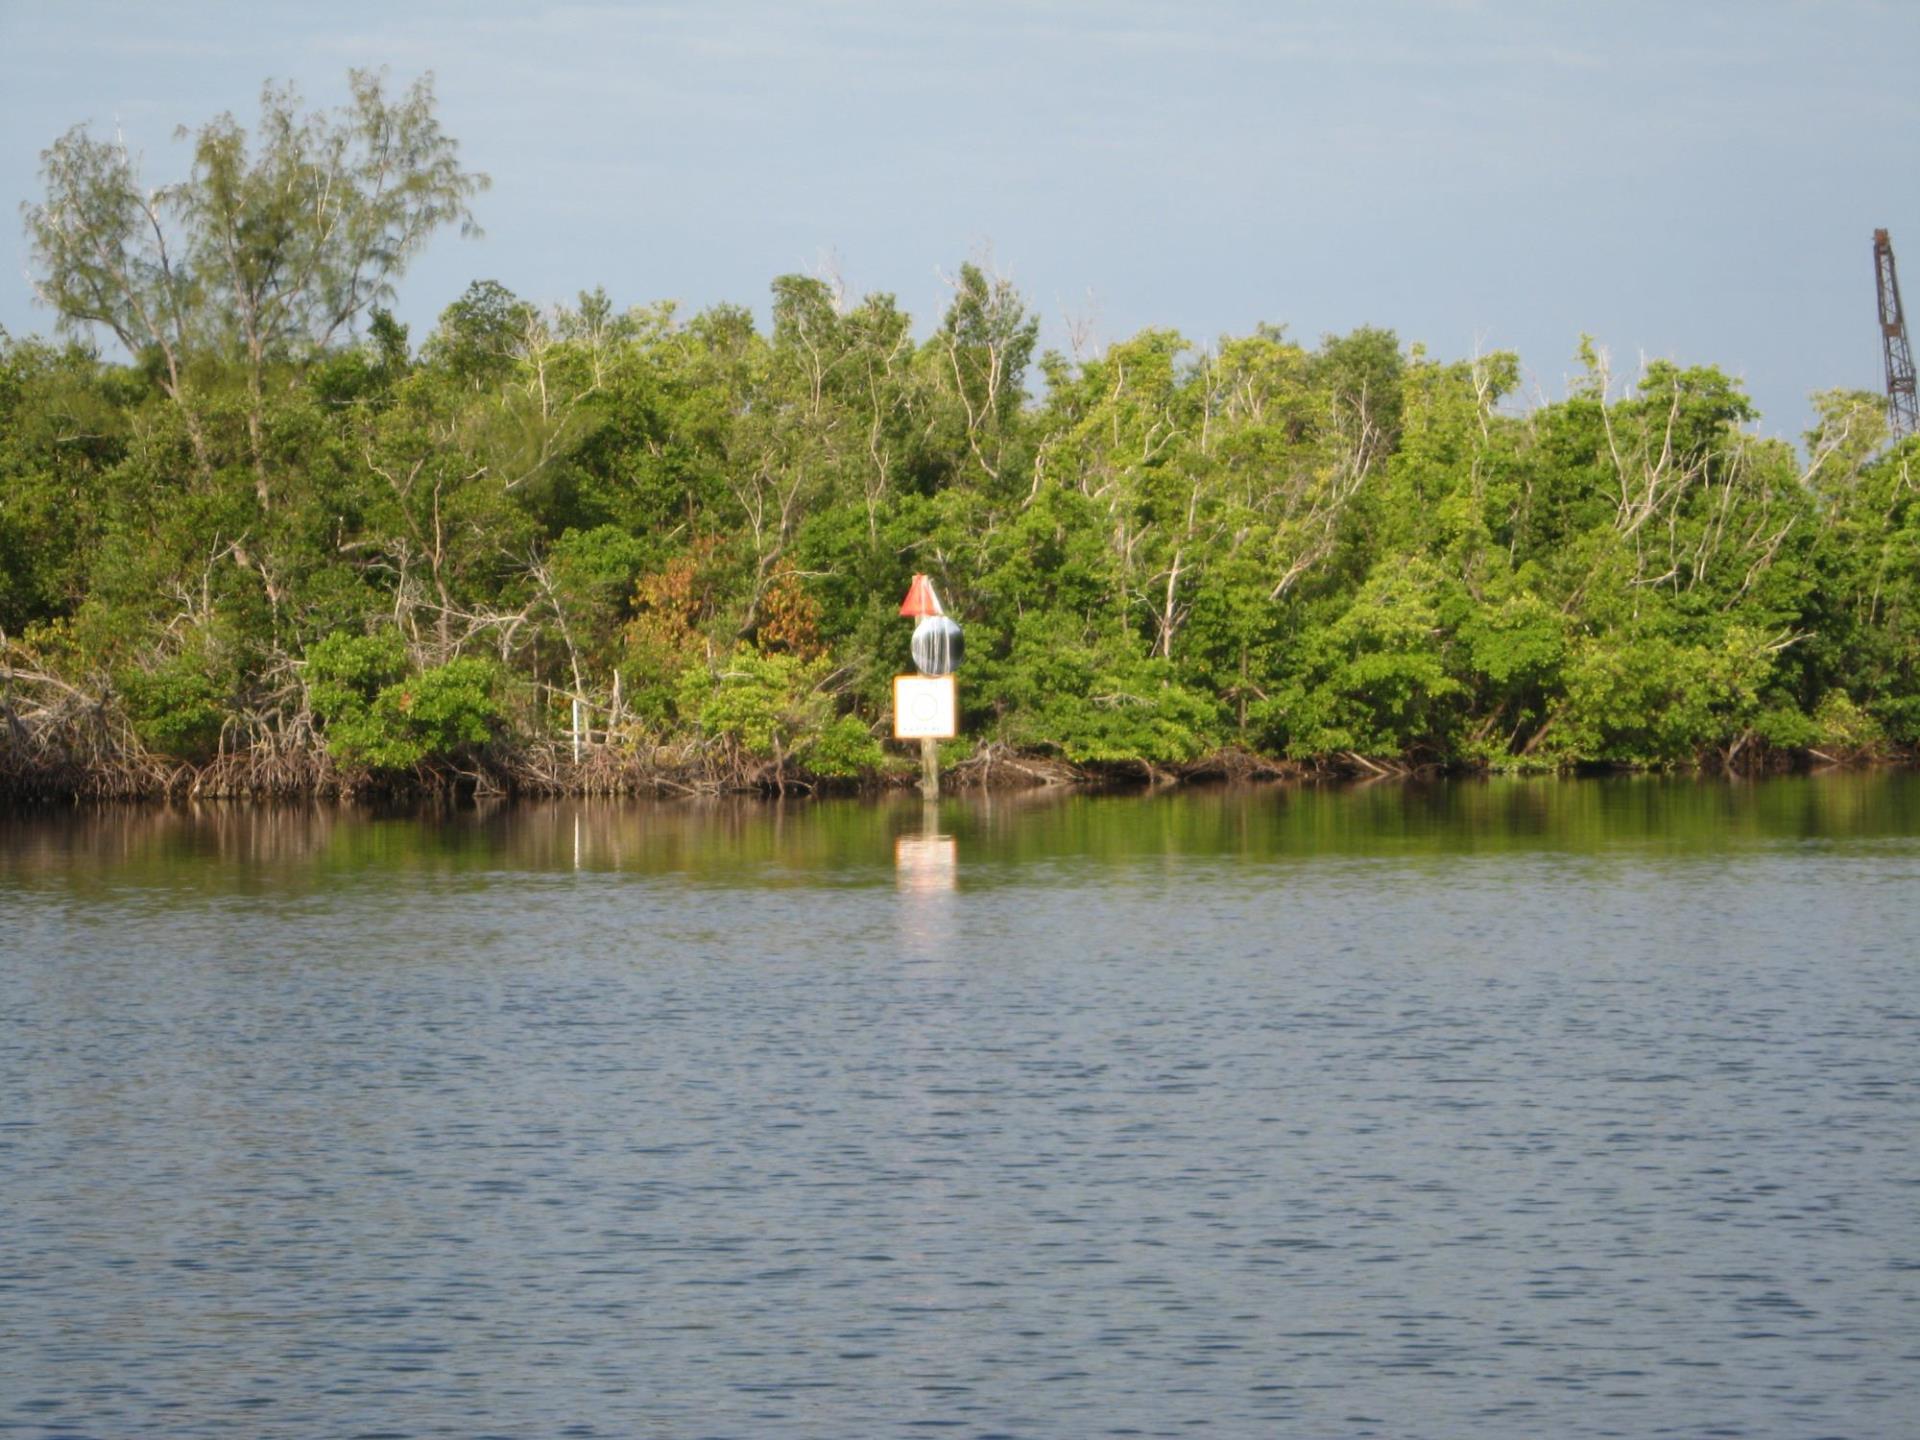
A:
(929, 683)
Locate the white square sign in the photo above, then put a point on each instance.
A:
(925, 708)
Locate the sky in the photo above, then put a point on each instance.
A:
(1689, 181)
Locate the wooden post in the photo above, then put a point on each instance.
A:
(930, 768)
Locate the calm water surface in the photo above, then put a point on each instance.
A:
(1555, 1109)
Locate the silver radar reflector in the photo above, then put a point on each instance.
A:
(937, 647)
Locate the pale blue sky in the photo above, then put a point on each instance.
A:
(1689, 180)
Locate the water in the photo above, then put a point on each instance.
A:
(1531, 1109)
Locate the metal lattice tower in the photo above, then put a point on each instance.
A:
(1903, 414)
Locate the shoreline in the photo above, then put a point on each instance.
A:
(544, 773)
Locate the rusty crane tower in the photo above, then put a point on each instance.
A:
(1902, 414)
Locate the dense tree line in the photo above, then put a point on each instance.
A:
(282, 545)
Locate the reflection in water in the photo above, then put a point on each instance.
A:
(927, 866)
(731, 841)
(1495, 1109)
(926, 863)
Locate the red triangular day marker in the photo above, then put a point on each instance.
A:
(921, 601)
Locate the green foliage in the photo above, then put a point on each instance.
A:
(1655, 702)
(753, 700)
(1842, 728)
(65, 426)
(771, 706)
(437, 714)
(345, 672)
(1095, 702)
(1131, 711)
(178, 707)
(378, 715)
(482, 335)
(843, 749)
(1347, 549)
(1378, 680)
(597, 568)
(266, 245)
